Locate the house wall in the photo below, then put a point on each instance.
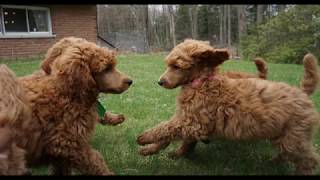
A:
(66, 20)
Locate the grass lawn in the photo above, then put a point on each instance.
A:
(146, 104)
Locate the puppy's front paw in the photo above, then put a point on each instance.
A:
(112, 119)
(145, 138)
(149, 150)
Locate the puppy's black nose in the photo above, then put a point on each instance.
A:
(161, 82)
(129, 82)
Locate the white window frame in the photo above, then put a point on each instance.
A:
(4, 34)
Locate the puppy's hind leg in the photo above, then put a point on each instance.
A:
(307, 161)
(300, 150)
(80, 156)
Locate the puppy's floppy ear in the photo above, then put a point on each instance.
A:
(207, 53)
(56, 50)
(52, 54)
(76, 76)
(220, 55)
(202, 53)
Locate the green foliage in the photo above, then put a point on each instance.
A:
(208, 23)
(183, 24)
(286, 37)
(203, 29)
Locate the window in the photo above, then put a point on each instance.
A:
(24, 21)
(38, 21)
(14, 20)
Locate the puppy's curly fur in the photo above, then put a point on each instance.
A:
(14, 107)
(238, 109)
(63, 98)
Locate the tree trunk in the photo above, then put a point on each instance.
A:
(154, 28)
(166, 26)
(193, 14)
(229, 25)
(146, 29)
(224, 25)
(241, 21)
(259, 14)
(172, 25)
(221, 25)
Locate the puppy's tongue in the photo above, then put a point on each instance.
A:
(196, 83)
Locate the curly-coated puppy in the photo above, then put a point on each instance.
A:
(238, 109)
(57, 50)
(14, 107)
(64, 105)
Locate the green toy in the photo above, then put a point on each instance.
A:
(101, 109)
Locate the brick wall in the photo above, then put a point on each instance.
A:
(67, 20)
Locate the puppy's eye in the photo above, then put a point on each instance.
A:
(108, 68)
(175, 67)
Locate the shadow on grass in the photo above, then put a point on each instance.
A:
(239, 158)
(222, 157)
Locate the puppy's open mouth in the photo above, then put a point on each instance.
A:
(115, 91)
(168, 86)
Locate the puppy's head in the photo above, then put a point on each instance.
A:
(83, 65)
(108, 78)
(188, 60)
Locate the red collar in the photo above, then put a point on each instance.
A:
(197, 82)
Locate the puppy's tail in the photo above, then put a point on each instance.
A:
(310, 80)
(262, 67)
